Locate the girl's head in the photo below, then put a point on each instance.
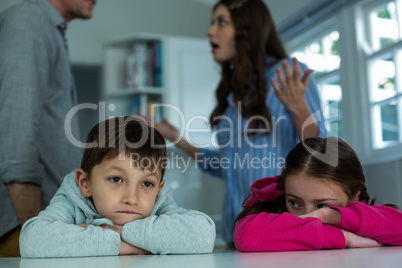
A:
(321, 172)
(243, 29)
(318, 172)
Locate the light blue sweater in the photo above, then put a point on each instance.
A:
(169, 229)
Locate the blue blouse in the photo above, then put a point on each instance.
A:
(241, 159)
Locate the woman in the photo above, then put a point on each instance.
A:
(261, 112)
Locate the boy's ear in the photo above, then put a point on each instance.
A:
(82, 182)
(161, 184)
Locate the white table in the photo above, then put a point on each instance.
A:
(365, 257)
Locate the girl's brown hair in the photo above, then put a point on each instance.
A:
(125, 135)
(256, 38)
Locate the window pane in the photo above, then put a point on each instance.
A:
(384, 26)
(331, 93)
(321, 55)
(335, 129)
(389, 122)
(386, 123)
(383, 79)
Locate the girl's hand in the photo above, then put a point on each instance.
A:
(128, 249)
(290, 90)
(326, 215)
(165, 128)
(353, 240)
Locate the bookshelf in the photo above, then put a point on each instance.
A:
(178, 80)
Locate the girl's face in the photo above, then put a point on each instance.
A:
(305, 194)
(221, 35)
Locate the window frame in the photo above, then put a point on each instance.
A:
(350, 20)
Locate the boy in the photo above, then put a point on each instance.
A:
(115, 203)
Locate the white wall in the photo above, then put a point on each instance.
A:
(174, 17)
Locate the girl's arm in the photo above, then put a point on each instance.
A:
(283, 232)
(381, 223)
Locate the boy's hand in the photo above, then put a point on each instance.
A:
(116, 228)
(128, 249)
(83, 225)
(353, 240)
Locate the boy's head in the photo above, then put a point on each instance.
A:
(122, 168)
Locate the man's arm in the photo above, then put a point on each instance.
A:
(26, 200)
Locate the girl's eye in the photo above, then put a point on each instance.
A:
(294, 204)
(323, 206)
(148, 184)
(116, 179)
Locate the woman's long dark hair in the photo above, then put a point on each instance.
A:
(255, 38)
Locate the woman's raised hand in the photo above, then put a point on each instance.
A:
(291, 89)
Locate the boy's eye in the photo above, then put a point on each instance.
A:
(148, 184)
(116, 179)
(323, 206)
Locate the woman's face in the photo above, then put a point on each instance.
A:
(221, 35)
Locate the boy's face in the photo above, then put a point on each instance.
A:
(120, 191)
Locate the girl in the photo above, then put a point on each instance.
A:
(260, 111)
(319, 201)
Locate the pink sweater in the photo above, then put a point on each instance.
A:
(283, 232)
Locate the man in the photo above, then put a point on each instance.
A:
(36, 92)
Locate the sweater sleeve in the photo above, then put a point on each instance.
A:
(381, 223)
(54, 233)
(285, 232)
(172, 230)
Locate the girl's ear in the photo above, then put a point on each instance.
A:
(357, 196)
(82, 182)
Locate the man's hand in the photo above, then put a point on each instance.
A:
(26, 200)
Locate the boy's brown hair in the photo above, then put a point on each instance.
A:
(127, 136)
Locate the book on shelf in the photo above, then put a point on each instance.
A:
(144, 65)
(143, 105)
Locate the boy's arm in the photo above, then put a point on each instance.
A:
(283, 232)
(55, 233)
(172, 230)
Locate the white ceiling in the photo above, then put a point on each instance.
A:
(281, 10)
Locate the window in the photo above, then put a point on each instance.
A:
(383, 49)
(356, 52)
(322, 55)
